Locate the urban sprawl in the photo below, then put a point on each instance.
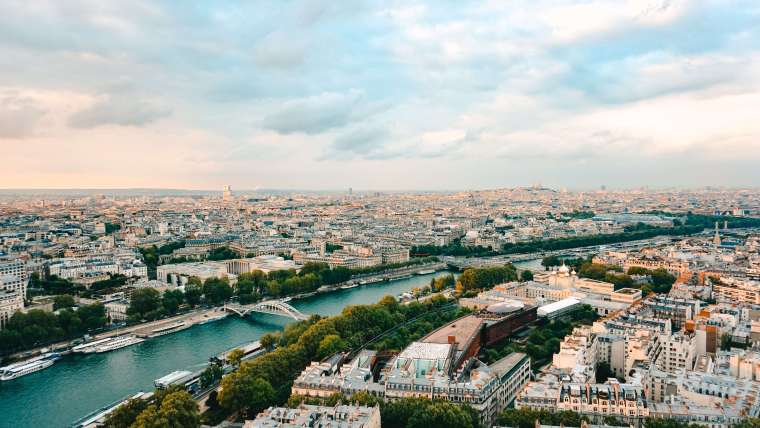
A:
(549, 307)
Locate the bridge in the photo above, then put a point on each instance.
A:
(271, 307)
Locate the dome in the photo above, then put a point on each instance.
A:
(564, 269)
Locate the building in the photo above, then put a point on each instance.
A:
(678, 311)
(737, 291)
(558, 309)
(339, 416)
(178, 274)
(10, 303)
(13, 276)
(439, 366)
(265, 263)
(626, 402)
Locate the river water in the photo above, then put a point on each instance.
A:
(79, 384)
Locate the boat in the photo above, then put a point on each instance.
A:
(98, 417)
(349, 286)
(89, 347)
(426, 272)
(370, 281)
(286, 300)
(212, 319)
(24, 368)
(118, 343)
(168, 329)
(249, 350)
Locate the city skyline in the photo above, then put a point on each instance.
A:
(382, 96)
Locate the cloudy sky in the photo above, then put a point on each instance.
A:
(379, 95)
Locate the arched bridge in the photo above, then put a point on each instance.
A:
(272, 307)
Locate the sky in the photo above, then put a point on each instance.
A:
(386, 95)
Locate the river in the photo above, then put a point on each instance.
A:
(79, 384)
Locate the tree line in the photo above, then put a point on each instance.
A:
(39, 328)
(485, 278)
(456, 248)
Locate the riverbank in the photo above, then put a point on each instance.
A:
(78, 384)
(198, 316)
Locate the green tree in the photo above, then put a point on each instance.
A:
(150, 418)
(235, 357)
(171, 301)
(329, 345)
(269, 340)
(526, 275)
(216, 291)
(725, 342)
(63, 301)
(144, 301)
(126, 414)
(603, 372)
(245, 393)
(193, 294)
(211, 375)
(180, 410)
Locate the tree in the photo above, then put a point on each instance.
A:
(180, 410)
(216, 290)
(235, 357)
(526, 275)
(171, 301)
(246, 393)
(150, 418)
(193, 294)
(422, 412)
(124, 416)
(144, 301)
(442, 415)
(269, 340)
(63, 301)
(603, 372)
(329, 345)
(725, 342)
(93, 316)
(211, 375)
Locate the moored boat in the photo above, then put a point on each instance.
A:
(24, 368)
(118, 343)
(168, 329)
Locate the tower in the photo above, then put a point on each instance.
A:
(716, 238)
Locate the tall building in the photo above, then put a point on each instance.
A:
(227, 193)
(13, 276)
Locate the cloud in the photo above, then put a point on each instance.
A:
(19, 115)
(363, 142)
(315, 114)
(494, 90)
(118, 110)
(280, 51)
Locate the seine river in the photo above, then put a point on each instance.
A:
(79, 384)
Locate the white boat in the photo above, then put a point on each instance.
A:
(212, 319)
(426, 272)
(24, 368)
(370, 281)
(89, 348)
(286, 300)
(171, 328)
(348, 287)
(118, 343)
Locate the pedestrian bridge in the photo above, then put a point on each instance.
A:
(271, 307)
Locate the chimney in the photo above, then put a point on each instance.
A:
(452, 340)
